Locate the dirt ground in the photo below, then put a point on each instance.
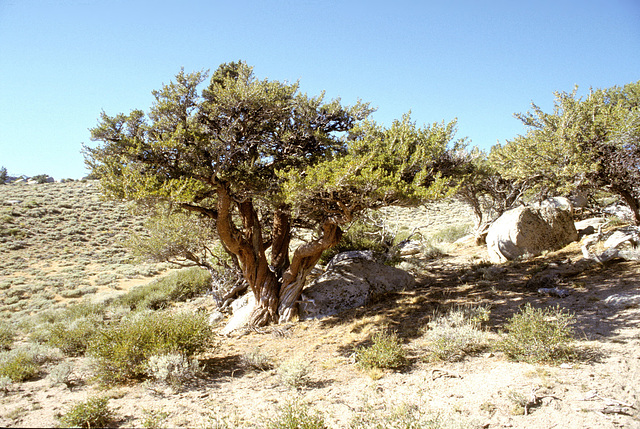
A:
(599, 390)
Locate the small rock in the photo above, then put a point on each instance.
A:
(554, 291)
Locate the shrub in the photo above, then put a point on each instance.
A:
(122, 350)
(92, 413)
(172, 368)
(61, 374)
(295, 415)
(18, 365)
(73, 336)
(538, 335)
(7, 335)
(385, 352)
(256, 360)
(177, 286)
(24, 362)
(294, 373)
(72, 328)
(403, 416)
(451, 233)
(456, 334)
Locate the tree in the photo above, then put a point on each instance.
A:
(485, 190)
(258, 160)
(590, 143)
(3, 175)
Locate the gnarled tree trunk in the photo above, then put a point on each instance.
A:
(276, 288)
(304, 259)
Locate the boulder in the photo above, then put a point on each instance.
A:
(351, 280)
(531, 230)
(242, 308)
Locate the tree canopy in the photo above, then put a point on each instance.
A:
(257, 159)
(584, 143)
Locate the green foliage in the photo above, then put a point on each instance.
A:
(122, 351)
(7, 335)
(175, 237)
(18, 365)
(456, 334)
(72, 328)
(3, 175)
(23, 362)
(154, 419)
(385, 352)
(72, 336)
(92, 413)
(591, 142)
(539, 335)
(400, 165)
(176, 286)
(295, 415)
(41, 178)
(451, 233)
(363, 234)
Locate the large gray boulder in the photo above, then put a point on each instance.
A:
(351, 280)
(531, 230)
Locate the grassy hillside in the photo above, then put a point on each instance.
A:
(61, 242)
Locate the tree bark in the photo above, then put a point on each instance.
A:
(304, 259)
(248, 245)
(632, 203)
(281, 238)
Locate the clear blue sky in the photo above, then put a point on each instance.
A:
(63, 61)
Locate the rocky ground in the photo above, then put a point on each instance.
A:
(599, 389)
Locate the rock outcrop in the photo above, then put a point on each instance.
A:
(351, 280)
(531, 230)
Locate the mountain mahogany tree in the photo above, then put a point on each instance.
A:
(584, 143)
(257, 160)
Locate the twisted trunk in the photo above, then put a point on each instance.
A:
(276, 288)
(304, 259)
(249, 247)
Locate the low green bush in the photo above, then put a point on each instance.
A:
(386, 352)
(177, 286)
(70, 329)
(73, 336)
(18, 365)
(121, 351)
(539, 335)
(451, 233)
(7, 335)
(24, 362)
(92, 413)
